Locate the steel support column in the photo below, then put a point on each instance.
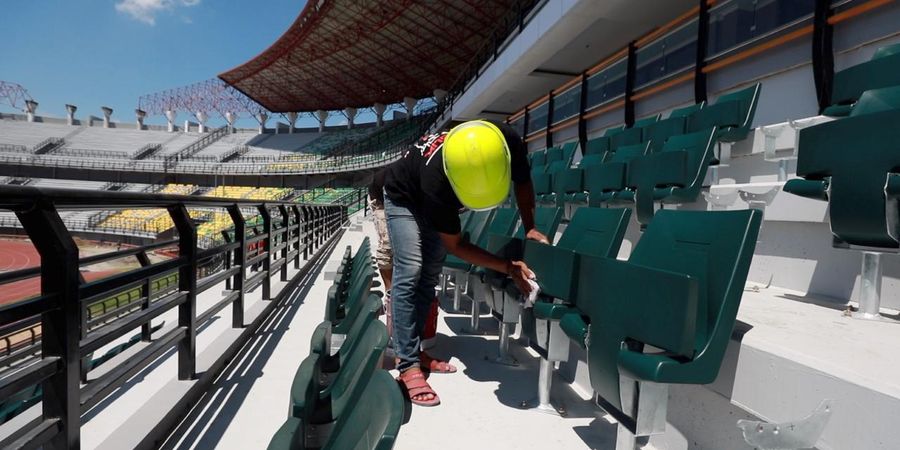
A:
(187, 283)
(240, 260)
(549, 135)
(823, 53)
(702, 50)
(629, 84)
(298, 239)
(60, 327)
(267, 249)
(285, 240)
(582, 124)
(147, 328)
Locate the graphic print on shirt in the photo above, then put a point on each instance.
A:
(429, 145)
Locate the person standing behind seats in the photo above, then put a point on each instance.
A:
(472, 166)
(384, 258)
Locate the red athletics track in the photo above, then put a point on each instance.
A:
(20, 254)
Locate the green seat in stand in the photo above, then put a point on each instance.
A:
(667, 314)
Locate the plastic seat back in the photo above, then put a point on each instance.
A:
(554, 154)
(674, 174)
(546, 220)
(502, 223)
(883, 70)
(477, 225)
(679, 292)
(732, 114)
(596, 146)
(374, 419)
(592, 231)
(863, 186)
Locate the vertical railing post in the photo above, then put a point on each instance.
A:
(146, 329)
(307, 220)
(267, 248)
(285, 240)
(59, 326)
(229, 257)
(187, 283)
(240, 260)
(298, 238)
(702, 49)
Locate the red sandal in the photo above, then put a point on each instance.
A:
(433, 365)
(413, 381)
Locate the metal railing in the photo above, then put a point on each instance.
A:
(190, 166)
(196, 146)
(290, 232)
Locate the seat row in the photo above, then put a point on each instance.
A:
(340, 397)
(663, 316)
(655, 160)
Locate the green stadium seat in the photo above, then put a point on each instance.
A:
(596, 146)
(502, 223)
(678, 293)
(504, 307)
(543, 182)
(475, 230)
(602, 181)
(731, 114)
(675, 174)
(592, 231)
(320, 342)
(881, 71)
(374, 421)
(318, 400)
(537, 161)
(853, 164)
(569, 184)
(658, 133)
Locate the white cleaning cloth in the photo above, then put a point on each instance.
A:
(533, 295)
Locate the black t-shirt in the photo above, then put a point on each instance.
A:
(417, 180)
(376, 187)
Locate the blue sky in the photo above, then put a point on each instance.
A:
(94, 53)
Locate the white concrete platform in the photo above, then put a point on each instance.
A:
(789, 351)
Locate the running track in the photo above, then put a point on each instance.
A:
(20, 254)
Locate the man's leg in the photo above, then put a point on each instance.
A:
(384, 255)
(384, 259)
(403, 230)
(433, 255)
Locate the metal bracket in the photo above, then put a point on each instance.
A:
(803, 433)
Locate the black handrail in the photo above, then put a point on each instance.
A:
(70, 333)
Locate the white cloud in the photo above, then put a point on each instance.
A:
(146, 10)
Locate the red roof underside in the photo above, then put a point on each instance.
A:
(361, 52)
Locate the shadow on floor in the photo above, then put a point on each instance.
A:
(207, 422)
(598, 435)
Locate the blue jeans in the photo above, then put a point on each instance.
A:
(418, 259)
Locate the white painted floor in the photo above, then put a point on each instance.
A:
(479, 403)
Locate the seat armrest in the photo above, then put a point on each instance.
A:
(305, 387)
(814, 189)
(552, 311)
(575, 327)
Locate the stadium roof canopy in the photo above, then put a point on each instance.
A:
(355, 53)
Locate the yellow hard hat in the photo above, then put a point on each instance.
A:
(477, 163)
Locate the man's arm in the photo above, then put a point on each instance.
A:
(525, 200)
(517, 270)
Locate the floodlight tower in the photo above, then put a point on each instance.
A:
(107, 114)
(70, 114)
(379, 109)
(140, 114)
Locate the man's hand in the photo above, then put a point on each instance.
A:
(536, 235)
(520, 274)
